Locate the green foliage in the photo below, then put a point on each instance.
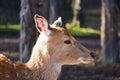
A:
(77, 31)
(9, 30)
(10, 27)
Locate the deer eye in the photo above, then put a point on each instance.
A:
(67, 42)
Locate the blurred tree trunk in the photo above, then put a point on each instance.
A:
(28, 33)
(109, 33)
(76, 11)
(54, 8)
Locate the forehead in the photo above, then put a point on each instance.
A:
(62, 33)
(60, 30)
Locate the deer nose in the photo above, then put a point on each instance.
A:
(93, 55)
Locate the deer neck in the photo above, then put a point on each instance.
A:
(44, 69)
(41, 64)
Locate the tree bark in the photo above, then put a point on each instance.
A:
(109, 33)
(28, 32)
(54, 7)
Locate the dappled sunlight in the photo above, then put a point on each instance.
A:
(90, 30)
(10, 26)
(77, 31)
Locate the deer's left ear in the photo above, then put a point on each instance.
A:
(42, 24)
(58, 22)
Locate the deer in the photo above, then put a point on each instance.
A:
(54, 47)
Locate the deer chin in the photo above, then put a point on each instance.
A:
(85, 61)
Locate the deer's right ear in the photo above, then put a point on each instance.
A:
(42, 24)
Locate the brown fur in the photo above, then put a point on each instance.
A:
(47, 58)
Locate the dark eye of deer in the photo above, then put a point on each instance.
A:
(67, 42)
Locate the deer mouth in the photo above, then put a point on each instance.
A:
(85, 60)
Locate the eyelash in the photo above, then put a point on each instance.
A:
(67, 42)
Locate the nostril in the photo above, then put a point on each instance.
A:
(93, 55)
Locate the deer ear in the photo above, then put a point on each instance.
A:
(41, 24)
(58, 22)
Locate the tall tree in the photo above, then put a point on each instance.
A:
(76, 11)
(27, 32)
(54, 8)
(109, 32)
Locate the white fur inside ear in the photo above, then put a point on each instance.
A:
(48, 32)
(58, 22)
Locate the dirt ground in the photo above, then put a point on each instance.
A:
(98, 72)
(9, 44)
